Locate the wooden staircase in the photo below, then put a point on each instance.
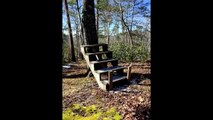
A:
(102, 65)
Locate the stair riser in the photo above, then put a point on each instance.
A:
(100, 56)
(104, 76)
(102, 44)
(105, 65)
(96, 49)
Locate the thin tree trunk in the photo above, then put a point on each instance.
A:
(123, 31)
(108, 37)
(70, 32)
(124, 23)
(133, 10)
(76, 20)
(78, 42)
(105, 33)
(82, 30)
(97, 18)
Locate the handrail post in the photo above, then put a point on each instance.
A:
(129, 72)
(110, 79)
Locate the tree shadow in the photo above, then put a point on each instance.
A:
(74, 76)
(75, 71)
(137, 79)
(143, 112)
(139, 75)
(72, 73)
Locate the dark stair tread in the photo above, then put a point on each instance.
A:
(96, 53)
(94, 45)
(104, 70)
(103, 61)
(116, 78)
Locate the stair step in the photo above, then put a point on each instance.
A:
(118, 78)
(115, 79)
(94, 45)
(103, 61)
(99, 59)
(104, 70)
(97, 53)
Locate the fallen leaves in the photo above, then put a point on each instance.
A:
(132, 101)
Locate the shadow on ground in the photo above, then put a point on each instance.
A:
(136, 80)
(74, 75)
(142, 113)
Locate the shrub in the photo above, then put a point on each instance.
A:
(127, 53)
(65, 53)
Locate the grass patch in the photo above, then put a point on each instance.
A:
(78, 112)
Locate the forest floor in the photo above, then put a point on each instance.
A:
(132, 101)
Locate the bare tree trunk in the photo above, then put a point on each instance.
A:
(76, 20)
(97, 17)
(82, 30)
(133, 10)
(124, 23)
(122, 26)
(70, 32)
(108, 37)
(105, 32)
(78, 42)
(129, 32)
(89, 25)
(89, 22)
(123, 31)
